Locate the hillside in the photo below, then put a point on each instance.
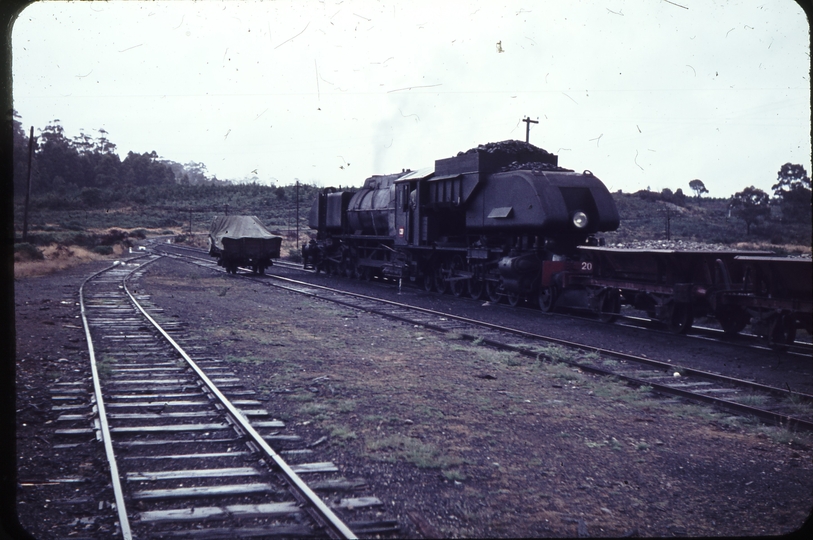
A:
(59, 226)
(703, 220)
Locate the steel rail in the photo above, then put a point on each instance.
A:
(522, 333)
(334, 526)
(104, 428)
(666, 389)
(798, 348)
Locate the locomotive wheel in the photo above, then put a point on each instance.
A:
(476, 288)
(458, 287)
(680, 318)
(782, 332)
(441, 284)
(367, 273)
(610, 307)
(733, 320)
(358, 270)
(491, 291)
(513, 299)
(428, 282)
(547, 298)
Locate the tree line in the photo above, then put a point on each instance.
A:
(88, 164)
(88, 169)
(791, 198)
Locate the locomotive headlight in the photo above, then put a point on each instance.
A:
(580, 220)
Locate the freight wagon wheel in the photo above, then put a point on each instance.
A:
(513, 299)
(476, 288)
(547, 298)
(610, 307)
(733, 320)
(680, 318)
(782, 331)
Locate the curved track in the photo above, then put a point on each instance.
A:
(189, 451)
(774, 405)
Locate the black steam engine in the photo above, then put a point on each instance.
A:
(504, 221)
(498, 220)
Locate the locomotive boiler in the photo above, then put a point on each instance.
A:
(483, 223)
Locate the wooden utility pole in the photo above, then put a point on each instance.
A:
(28, 184)
(296, 242)
(528, 123)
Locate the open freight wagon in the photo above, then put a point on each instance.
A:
(243, 241)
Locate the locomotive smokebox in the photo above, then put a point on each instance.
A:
(550, 203)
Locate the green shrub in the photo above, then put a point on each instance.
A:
(27, 252)
(73, 226)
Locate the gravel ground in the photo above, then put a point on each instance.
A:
(458, 440)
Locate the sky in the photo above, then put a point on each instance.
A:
(646, 94)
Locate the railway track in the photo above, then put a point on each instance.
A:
(714, 334)
(770, 404)
(191, 452)
(633, 320)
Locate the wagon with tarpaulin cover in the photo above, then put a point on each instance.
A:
(243, 241)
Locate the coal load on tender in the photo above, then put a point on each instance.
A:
(243, 241)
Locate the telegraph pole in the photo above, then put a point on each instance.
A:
(28, 186)
(296, 242)
(528, 123)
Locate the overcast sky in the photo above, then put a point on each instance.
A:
(644, 93)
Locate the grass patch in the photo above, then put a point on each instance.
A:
(554, 353)
(342, 433)
(104, 367)
(243, 359)
(564, 372)
(402, 448)
(798, 405)
(318, 410)
(454, 475)
(752, 400)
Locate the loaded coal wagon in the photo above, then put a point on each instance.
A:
(243, 241)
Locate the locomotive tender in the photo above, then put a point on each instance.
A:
(489, 221)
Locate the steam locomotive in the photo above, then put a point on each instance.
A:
(498, 220)
(504, 221)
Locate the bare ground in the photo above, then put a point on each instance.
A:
(459, 440)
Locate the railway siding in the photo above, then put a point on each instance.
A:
(467, 441)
